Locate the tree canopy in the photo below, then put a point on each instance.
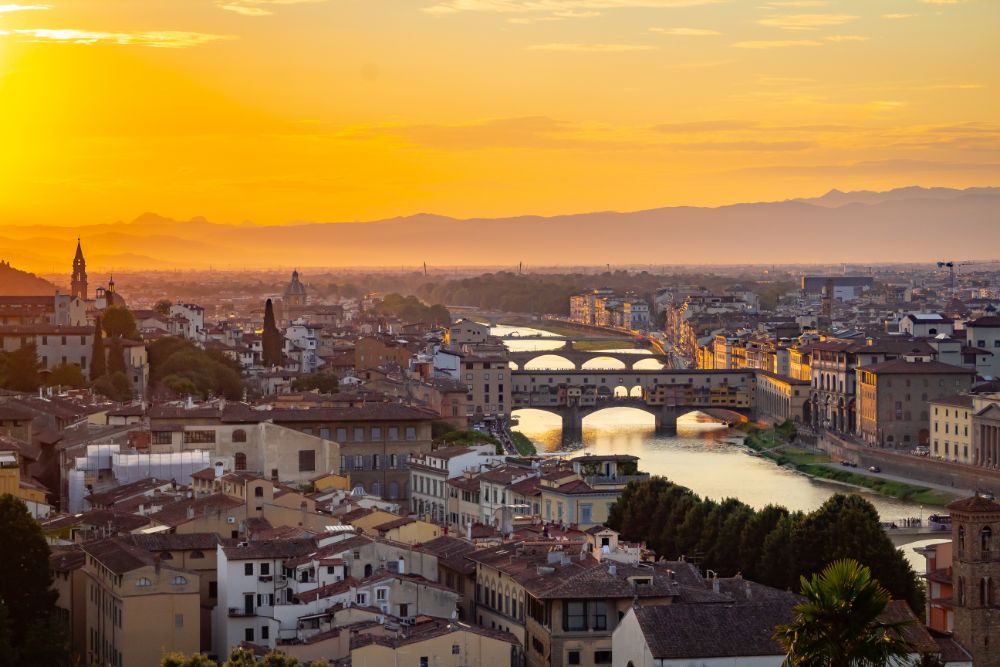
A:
(19, 369)
(772, 545)
(98, 355)
(29, 631)
(325, 382)
(410, 309)
(66, 375)
(118, 322)
(179, 367)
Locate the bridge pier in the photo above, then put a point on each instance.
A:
(666, 418)
(572, 420)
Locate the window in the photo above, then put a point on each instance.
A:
(359, 434)
(307, 460)
(143, 582)
(248, 634)
(424, 661)
(240, 461)
(162, 437)
(381, 594)
(602, 657)
(239, 435)
(324, 433)
(985, 541)
(361, 599)
(178, 620)
(585, 512)
(359, 462)
(179, 581)
(575, 618)
(601, 616)
(573, 658)
(265, 569)
(341, 434)
(411, 433)
(393, 433)
(376, 433)
(456, 649)
(258, 492)
(199, 437)
(248, 569)
(265, 632)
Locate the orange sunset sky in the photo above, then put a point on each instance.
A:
(281, 110)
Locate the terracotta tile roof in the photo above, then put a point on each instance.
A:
(702, 631)
(125, 491)
(336, 588)
(975, 504)
(451, 552)
(270, 549)
(66, 559)
(176, 514)
(958, 401)
(901, 366)
(394, 523)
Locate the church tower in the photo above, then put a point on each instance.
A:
(975, 534)
(78, 283)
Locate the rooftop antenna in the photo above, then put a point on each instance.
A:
(425, 269)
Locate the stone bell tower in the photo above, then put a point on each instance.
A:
(975, 536)
(78, 283)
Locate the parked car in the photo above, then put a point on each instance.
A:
(874, 469)
(921, 451)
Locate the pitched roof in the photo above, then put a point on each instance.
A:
(451, 552)
(698, 631)
(176, 514)
(975, 504)
(902, 366)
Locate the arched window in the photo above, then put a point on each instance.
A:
(961, 539)
(985, 541)
(984, 592)
(239, 435)
(961, 591)
(393, 490)
(197, 553)
(240, 461)
(179, 581)
(258, 492)
(368, 570)
(143, 582)
(376, 489)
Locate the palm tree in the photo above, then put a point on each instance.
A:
(839, 624)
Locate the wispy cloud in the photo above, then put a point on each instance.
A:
(166, 39)
(686, 32)
(258, 7)
(10, 8)
(847, 38)
(554, 6)
(775, 43)
(795, 3)
(806, 21)
(699, 126)
(591, 47)
(897, 16)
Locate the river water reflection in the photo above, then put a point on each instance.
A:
(703, 455)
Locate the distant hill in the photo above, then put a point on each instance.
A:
(21, 283)
(902, 225)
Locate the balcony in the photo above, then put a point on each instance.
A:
(619, 480)
(240, 612)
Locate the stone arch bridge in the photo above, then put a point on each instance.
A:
(666, 394)
(580, 357)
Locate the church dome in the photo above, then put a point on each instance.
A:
(295, 288)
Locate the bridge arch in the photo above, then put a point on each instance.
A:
(647, 363)
(604, 363)
(545, 361)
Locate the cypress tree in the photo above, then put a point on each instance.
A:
(98, 363)
(271, 342)
(116, 357)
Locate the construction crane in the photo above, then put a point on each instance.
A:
(951, 273)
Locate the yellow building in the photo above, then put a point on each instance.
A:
(951, 428)
(433, 641)
(138, 607)
(16, 483)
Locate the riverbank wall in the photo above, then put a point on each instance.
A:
(917, 468)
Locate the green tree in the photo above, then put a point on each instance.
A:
(116, 357)
(115, 386)
(325, 382)
(26, 594)
(179, 367)
(839, 623)
(98, 355)
(181, 660)
(118, 322)
(66, 375)
(19, 369)
(271, 340)
(163, 307)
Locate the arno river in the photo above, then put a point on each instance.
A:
(703, 456)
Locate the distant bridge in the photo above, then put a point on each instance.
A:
(666, 394)
(580, 357)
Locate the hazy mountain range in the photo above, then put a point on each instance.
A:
(22, 283)
(906, 224)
